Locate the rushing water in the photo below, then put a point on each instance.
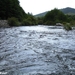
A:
(37, 50)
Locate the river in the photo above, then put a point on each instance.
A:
(37, 50)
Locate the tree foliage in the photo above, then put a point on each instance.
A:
(13, 21)
(30, 20)
(55, 15)
(11, 8)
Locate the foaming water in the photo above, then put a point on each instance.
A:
(37, 50)
(35, 28)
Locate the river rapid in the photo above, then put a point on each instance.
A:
(37, 50)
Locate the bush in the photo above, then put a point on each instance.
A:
(26, 22)
(49, 23)
(72, 23)
(13, 21)
(67, 27)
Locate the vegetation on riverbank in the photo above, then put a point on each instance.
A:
(67, 26)
(12, 11)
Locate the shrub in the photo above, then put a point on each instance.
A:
(26, 22)
(67, 26)
(49, 23)
(13, 21)
(72, 23)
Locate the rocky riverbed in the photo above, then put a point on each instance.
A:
(37, 50)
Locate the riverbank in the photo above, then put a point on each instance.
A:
(4, 24)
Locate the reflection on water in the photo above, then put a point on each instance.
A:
(37, 50)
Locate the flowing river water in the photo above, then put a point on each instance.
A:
(37, 50)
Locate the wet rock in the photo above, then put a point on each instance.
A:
(73, 58)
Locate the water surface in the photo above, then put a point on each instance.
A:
(37, 50)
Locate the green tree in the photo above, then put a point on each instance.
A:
(40, 20)
(30, 20)
(13, 21)
(55, 15)
(11, 8)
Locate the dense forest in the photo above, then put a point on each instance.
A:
(56, 16)
(11, 8)
(12, 11)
